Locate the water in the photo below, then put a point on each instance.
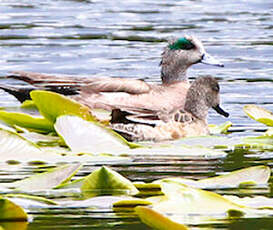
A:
(125, 39)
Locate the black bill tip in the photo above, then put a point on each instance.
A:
(219, 110)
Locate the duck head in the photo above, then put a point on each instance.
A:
(202, 95)
(180, 54)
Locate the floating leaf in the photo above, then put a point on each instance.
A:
(256, 174)
(259, 114)
(28, 104)
(157, 220)
(192, 205)
(32, 198)
(218, 129)
(10, 211)
(129, 205)
(38, 124)
(51, 105)
(106, 181)
(252, 175)
(89, 137)
(15, 147)
(47, 180)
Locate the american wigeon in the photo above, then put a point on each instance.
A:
(159, 125)
(105, 93)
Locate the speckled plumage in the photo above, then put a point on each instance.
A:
(189, 120)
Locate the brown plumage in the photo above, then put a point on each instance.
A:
(189, 120)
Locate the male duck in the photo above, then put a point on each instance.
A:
(190, 120)
(104, 93)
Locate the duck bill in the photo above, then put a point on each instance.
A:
(210, 60)
(219, 110)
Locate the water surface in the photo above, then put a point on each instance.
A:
(125, 39)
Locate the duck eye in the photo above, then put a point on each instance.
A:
(216, 88)
(181, 44)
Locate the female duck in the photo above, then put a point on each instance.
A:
(191, 120)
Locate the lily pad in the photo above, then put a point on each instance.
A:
(105, 181)
(252, 175)
(38, 124)
(15, 147)
(157, 220)
(259, 114)
(129, 205)
(186, 200)
(89, 137)
(218, 129)
(51, 105)
(10, 211)
(47, 180)
(28, 104)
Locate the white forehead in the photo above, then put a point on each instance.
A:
(194, 40)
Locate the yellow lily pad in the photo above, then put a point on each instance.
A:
(106, 181)
(10, 211)
(157, 220)
(259, 114)
(129, 205)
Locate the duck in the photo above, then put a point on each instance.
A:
(109, 93)
(158, 125)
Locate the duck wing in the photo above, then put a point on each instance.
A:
(107, 84)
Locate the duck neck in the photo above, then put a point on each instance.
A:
(170, 74)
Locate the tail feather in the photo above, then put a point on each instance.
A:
(20, 93)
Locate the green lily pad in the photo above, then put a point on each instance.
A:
(47, 180)
(90, 137)
(192, 200)
(106, 181)
(257, 174)
(38, 124)
(259, 114)
(10, 211)
(156, 220)
(15, 147)
(129, 205)
(28, 104)
(52, 105)
(30, 197)
(252, 175)
(218, 129)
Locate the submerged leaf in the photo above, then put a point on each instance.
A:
(51, 105)
(10, 211)
(38, 124)
(106, 181)
(47, 180)
(259, 114)
(89, 137)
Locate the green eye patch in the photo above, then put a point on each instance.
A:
(181, 44)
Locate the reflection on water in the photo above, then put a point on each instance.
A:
(125, 38)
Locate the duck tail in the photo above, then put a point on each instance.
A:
(20, 93)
